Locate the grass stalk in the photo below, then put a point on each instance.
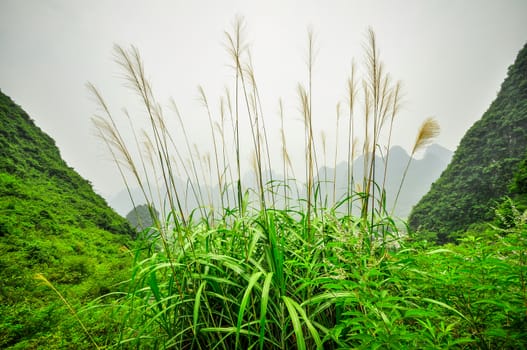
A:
(43, 279)
(351, 90)
(203, 99)
(235, 48)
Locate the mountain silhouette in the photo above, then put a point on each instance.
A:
(421, 174)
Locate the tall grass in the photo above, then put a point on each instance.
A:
(276, 267)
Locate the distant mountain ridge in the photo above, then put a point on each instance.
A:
(483, 165)
(421, 174)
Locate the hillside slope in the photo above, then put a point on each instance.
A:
(483, 165)
(51, 222)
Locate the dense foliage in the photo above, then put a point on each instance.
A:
(260, 282)
(518, 187)
(51, 222)
(515, 203)
(483, 165)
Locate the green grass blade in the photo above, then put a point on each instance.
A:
(448, 307)
(197, 304)
(245, 300)
(154, 286)
(263, 307)
(297, 326)
(312, 329)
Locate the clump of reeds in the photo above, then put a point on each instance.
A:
(253, 273)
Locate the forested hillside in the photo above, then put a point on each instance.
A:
(51, 222)
(483, 166)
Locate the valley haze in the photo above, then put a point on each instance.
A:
(450, 56)
(422, 173)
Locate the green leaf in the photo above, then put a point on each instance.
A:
(263, 307)
(245, 300)
(299, 334)
(197, 304)
(448, 307)
(438, 251)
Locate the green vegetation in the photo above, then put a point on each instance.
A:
(518, 187)
(270, 266)
(483, 165)
(269, 270)
(241, 285)
(515, 203)
(51, 222)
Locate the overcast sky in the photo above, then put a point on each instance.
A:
(451, 57)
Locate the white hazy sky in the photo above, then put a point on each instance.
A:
(450, 55)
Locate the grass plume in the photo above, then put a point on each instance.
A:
(427, 132)
(45, 281)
